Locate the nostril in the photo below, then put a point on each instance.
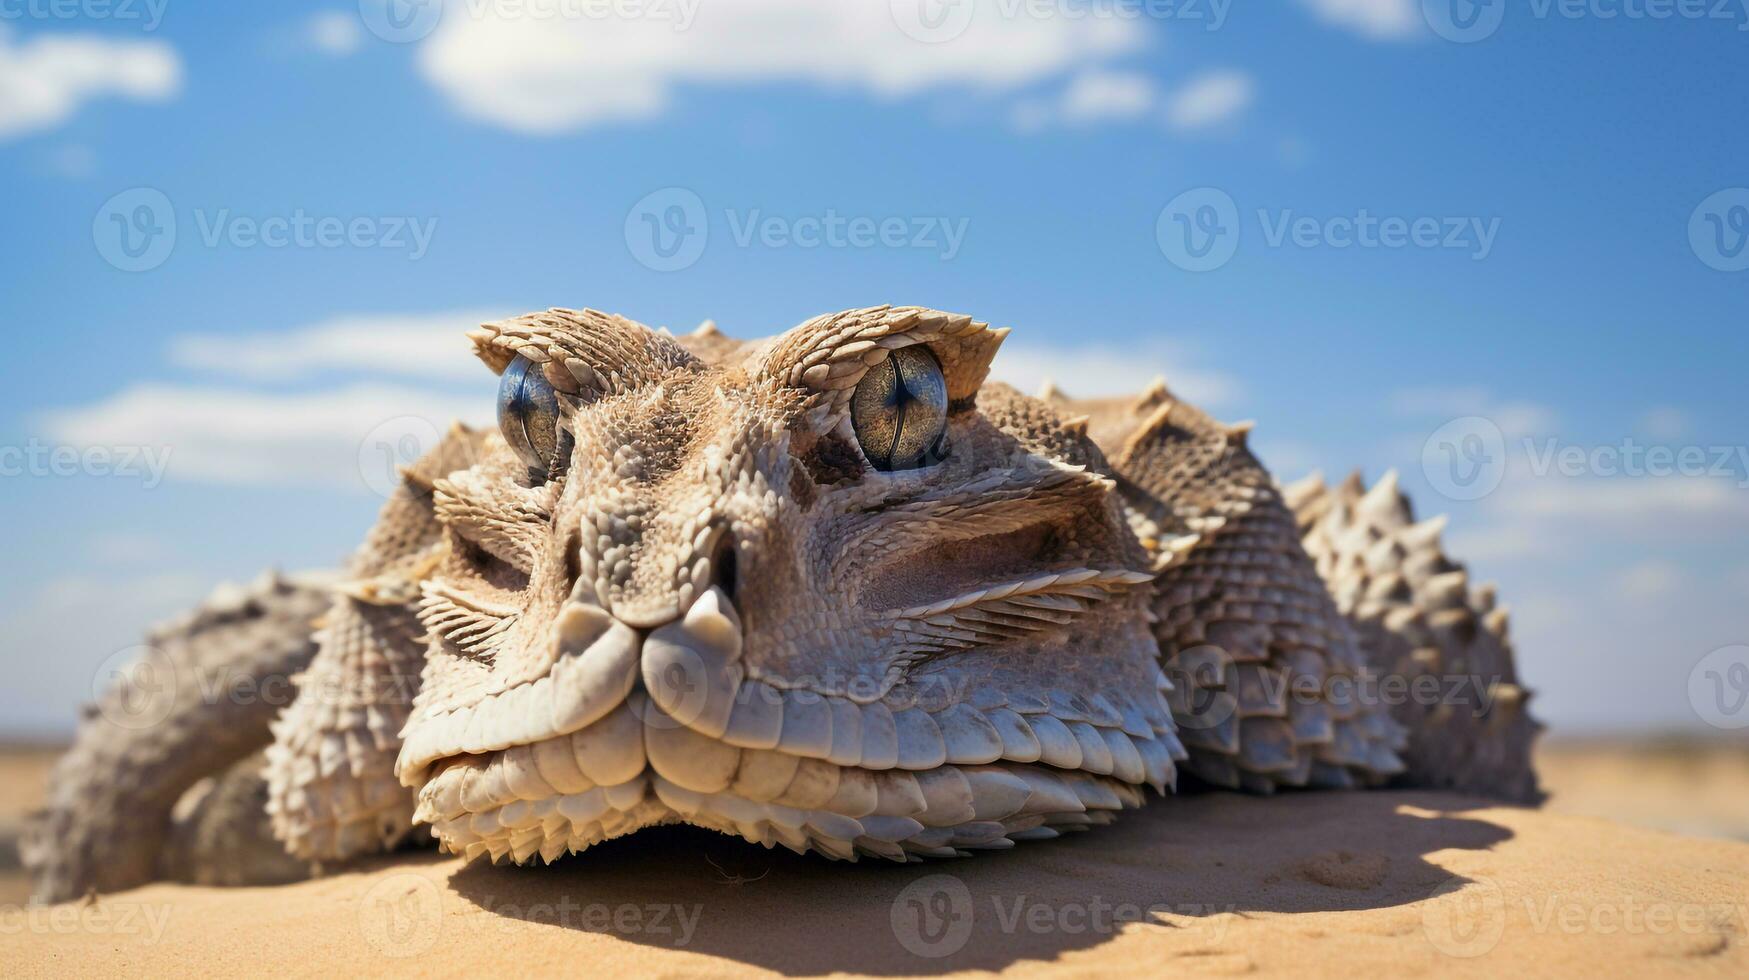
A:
(725, 570)
(573, 560)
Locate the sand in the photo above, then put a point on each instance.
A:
(1352, 885)
(1682, 785)
(24, 772)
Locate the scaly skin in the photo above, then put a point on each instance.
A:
(161, 727)
(692, 596)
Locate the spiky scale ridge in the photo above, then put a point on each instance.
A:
(1419, 620)
(1269, 675)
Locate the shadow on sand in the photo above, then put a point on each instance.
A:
(1177, 862)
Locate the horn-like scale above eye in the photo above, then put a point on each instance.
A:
(528, 414)
(899, 410)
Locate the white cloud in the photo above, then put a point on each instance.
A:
(550, 74)
(45, 80)
(75, 161)
(1096, 372)
(1210, 99)
(226, 435)
(421, 346)
(1654, 505)
(1287, 459)
(1550, 517)
(1490, 542)
(334, 32)
(1649, 581)
(1517, 419)
(1096, 96)
(1385, 20)
(127, 547)
(154, 590)
(1091, 97)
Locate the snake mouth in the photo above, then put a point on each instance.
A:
(561, 796)
(631, 729)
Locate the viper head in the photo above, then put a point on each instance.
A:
(830, 590)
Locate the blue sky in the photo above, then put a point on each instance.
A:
(1021, 159)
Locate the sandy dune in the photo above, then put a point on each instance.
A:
(1371, 884)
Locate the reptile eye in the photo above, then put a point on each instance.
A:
(899, 410)
(528, 414)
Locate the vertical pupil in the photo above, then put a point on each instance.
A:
(900, 409)
(528, 413)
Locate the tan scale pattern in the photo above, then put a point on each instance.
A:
(1421, 621)
(1270, 676)
(711, 608)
